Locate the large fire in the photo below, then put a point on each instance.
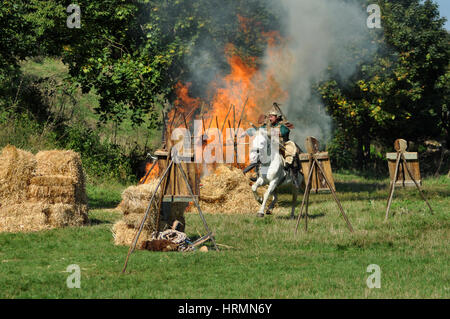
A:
(239, 98)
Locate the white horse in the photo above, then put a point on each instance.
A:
(271, 172)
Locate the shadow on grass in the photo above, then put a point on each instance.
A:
(102, 203)
(343, 187)
(352, 191)
(354, 187)
(96, 221)
(288, 217)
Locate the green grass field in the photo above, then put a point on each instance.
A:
(259, 258)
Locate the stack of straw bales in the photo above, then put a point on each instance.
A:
(135, 200)
(227, 191)
(41, 192)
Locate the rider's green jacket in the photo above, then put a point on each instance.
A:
(284, 131)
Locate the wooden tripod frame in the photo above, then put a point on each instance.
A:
(163, 180)
(314, 166)
(400, 146)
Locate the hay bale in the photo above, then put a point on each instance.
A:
(227, 191)
(124, 234)
(141, 192)
(41, 192)
(135, 200)
(28, 217)
(63, 215)
(52, 180)
(216, 186)
(53, 165)
(58, 162)
(17, 167)
(25, 217)
(52, 194)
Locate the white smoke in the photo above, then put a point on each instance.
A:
(319, 33)
(316, 34)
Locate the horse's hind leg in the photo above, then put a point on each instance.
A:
(272, 205)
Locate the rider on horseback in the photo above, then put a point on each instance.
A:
(288, 149)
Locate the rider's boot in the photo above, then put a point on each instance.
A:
(254, 178)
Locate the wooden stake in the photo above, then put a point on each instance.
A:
(201, 240)
(315, 163)
(234, 117)
(210, 122)
(171, 122)
(401, 160)
(185, 122)
(306, 208)
(229, 125)
(242, 113)
(226, 116)
(392, 188)
(415, 182)
(234, 136)
(307, 191)
(334, 195)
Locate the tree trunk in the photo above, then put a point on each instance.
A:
(363, 152)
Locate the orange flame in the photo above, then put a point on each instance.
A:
(152, 175)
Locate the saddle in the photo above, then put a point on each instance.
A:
(296, 157)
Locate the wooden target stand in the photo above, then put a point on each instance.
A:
(176, 187)
(404, 171)
(317, 166)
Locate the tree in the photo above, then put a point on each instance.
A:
(134, 52)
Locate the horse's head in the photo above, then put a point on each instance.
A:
(260, 146)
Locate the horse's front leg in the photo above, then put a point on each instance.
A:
(259, 182)
(269, 191)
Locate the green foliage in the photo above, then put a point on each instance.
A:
(101, 159)
(23, 131)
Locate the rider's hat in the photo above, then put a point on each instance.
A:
(274, 110)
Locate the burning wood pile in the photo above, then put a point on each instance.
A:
(215, 127)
